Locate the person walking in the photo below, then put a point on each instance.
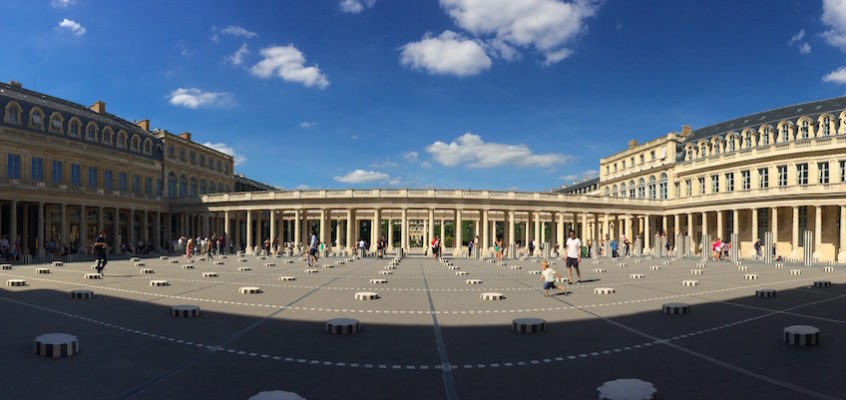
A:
(210, 248)
(100, 250)
(189, 247)
(436, 245)
(469, 249)
(312, 249)
(574, 256)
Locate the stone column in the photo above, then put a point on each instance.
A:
(227, 231)
(350, 233)
(404, 232)
(272, 227)
(458, 238)
(324, 228)
(41, 238)
(485, 227)
(664, 222)
(606, 230)
(795, 241)
(13, 223)
(676, 226)
(443, 233)
(377, 229)
(647, 234)
(536, 237)
(25, 229)
(720, 225)
(559, 230)
(841, 256)
(526, 230)
(735, 222)
(390, 234)
(295, 237)
(157, 231)
(83, 228)
(63, 226)
(817, 232)
(704, 223)
(584, 229)
(131, 228)
(511, 238)
(774, 225)
(145, 227)
(754, 224)
(115, 231)
(249, 246)
(629, 233)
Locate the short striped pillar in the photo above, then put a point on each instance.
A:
(209, 274)
(82, 294)
(528, 325)
(458, 273)
(822, 284)
(15, 282)
(249, 290)
(492, 296)
(56, 345)
(343, 326)
(185, 311)
(801, 335)
(287, 278)
(675, 308)
(767, 251)
(604, 290)
(808, 249)
(378, 281)
(366, 296)
(627, 389)
(765, 293)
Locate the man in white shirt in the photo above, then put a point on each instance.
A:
(574, 255)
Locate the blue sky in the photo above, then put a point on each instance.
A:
(497, 94)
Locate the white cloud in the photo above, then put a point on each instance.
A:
(288, 63)
(805, 48)
(355, 6)
(589, 174)
(426, 164)
(547, 26)
(302, 187)
(62, 3)
(797, 37)
(836, 76)
(410, 156)
(470, 150)
(195, 98)
(239, 159)
(71, 26)
(307, 124)
(237, 58)
(384, 164)
(238, 31)
(362, 176)
(834, 16)
(447, 54)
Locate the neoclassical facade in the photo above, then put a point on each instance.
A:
(781, 171)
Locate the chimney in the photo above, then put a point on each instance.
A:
(15, 84)
(685, 130)
(144, 124)
(99, 107)
(186, 136)
(632, 143)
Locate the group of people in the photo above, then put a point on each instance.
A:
(204, 246)
(573, 256)
(8, 251)
(720, 249)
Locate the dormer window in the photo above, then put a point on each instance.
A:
(56, 123)
(13, 114)
(91, 133)
(108, 136)
(74, 129)
(825, 126)
(121, 140)
(804, 130)
(36, 120)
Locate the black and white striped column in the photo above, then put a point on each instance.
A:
(808, 249)
(734, 253)
(706, 247)
(768, 248)
(56, 345)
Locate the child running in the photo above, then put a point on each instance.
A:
(548, 276)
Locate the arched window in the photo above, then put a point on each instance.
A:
(121, 142)
(662, 186)
(614, 191)
(56, 123)
(202, 187)
(804, 130)
(108, 136)
(703, 150)
(183, 186)
(784, 136)
(717, 144)
(623, 189)
(193, 187)
(765, 137)
(652, 188)
(731, 143)
(90, 132)
(148, 147)
(211, 188)
(36, 119)
(171, 185)
(689, 153)
(641, 188)
(135, 144)
(747, 140)
(13, 114)
(632, 189)
(825, 127)
(607, 191)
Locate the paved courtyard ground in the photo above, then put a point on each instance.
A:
(429, 335)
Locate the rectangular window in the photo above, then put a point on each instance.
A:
(782, 175)
(193, 156)
(148, 186)
(823, 172)
(75, 175)
(92, 177)
(715, 184)
(746, 176)
(652, 155)
(158, 187)
(136, 184)
(678, 190)
(730, 182)
(641, 158)
(37, 169)
(57, 172)
(802, 174)
(607, 169)
(688, 188)
(615, 167)
(107, 179)
(624, 164)
(702, 185)
(843, 171)
(182, 154)
(763, 178)
(203, 161)
(13, 166)
(122, 181)
(170, 150)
